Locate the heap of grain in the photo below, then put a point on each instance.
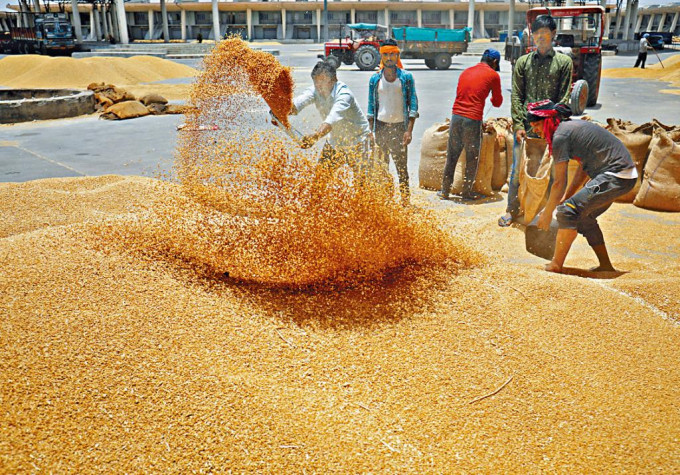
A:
(247, 201)
(668, 72)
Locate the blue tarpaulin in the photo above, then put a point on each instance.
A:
(410, 33)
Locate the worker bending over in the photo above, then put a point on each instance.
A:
(342, 117)
(602, 157)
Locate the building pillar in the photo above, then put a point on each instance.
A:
(151, 24)
(471, 16)
(451, 19)
(419, 14)
(318, 24)
(482, 28)
(626, 20)
(97, 25)
(638, 24)
(283, 22)
(91, 35)
(511, 20)
(675, 22)
(633, 14)
(114, 24)
(650, 23)
(249, 23)
(164, 22)
(183, 23)
(662, 21)
(122, 22)
(387, 18)
(216, 21)
(105, 25)
(75, 19)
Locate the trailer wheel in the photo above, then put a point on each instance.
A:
(442, 61)
(430, 63)
(591, 73)
(579, 97)
(367, 58)
(333, 60)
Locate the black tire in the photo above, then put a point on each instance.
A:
(43, 49)
(591, 73)
(367, 58)
(430, 63)
(579, 97)
(442, 61)
(333, 60)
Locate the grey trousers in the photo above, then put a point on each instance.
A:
(463, 133)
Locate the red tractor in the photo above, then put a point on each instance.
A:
(361, 45)
(579, 35)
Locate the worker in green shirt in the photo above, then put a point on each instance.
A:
(539, 75)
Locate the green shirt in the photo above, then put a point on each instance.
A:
(537, 78)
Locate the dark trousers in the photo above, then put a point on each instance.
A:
(463, 133)
(642, 57)
(581, 211)
(390, 140)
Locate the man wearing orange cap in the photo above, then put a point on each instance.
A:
(392, 111)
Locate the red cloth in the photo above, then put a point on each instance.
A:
(474, 86)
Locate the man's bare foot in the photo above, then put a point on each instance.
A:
(553, 268)
(608, 268)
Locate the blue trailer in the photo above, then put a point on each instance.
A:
(435, 45)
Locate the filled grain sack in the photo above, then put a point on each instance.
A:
(178, 109)
(153, 98)
(102, 101)
(660, 189)
(433, 159)
(637, 139)
(433, 156)
(534, 176)
(156, 108)
(125, 110)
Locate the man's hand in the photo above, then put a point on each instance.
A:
(544, 220)
(520, 135)
(408, 136)
(307, 141)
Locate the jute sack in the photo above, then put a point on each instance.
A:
(153, 98)
(433, 159)
(660, 189)
(125, 110)
(500, 163)
(433, 156)
(637, 139)
(534, 176)
(485, 166)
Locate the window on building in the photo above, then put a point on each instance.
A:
(367, 17)
(141, 18)
(203, 18)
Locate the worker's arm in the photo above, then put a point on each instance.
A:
(577, 182)
(518, 95)
(565, 81)
(496, 93)
(412, 98)
(555, 196)
(308, 140)
(303, 100)
(408, 135)
(372, 85)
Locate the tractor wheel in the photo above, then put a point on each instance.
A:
(367, 58)
(333, 60)
(591, 73)
(442, 61)
(579, 97)
(430, 64)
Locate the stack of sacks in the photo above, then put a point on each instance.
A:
(636, 138)
(492, 172)
(660, 189)
(117, 104)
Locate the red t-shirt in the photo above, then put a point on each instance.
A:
(474, 86)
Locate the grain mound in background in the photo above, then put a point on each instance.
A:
(247, 202)
(669, 72)
(33, 71)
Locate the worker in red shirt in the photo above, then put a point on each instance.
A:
(465, 131)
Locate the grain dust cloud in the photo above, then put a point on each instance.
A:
(244, 199)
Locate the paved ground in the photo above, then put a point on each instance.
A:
(88, 146)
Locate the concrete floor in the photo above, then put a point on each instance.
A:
(87, 146)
